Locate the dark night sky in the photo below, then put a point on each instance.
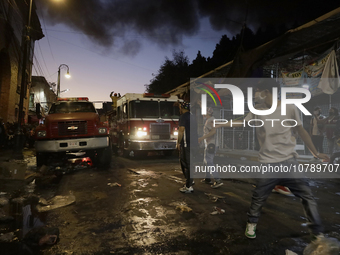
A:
(139, 34)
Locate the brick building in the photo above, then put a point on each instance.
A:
(13, 23)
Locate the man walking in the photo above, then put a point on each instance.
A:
(187, 141)
(210, 147)
(277, 149)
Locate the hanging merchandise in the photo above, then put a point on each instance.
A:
(310, 75)
(329, 82)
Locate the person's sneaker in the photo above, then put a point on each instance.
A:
(193, 183)
(206, 181)
(217, 185)
(251, 230)
(185, 189)
(283, 190)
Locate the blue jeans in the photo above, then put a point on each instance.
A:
(299, 187)
(209, 161)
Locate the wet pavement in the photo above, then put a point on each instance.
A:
(148, 215)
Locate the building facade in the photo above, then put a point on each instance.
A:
(13, 35)
(40, 92)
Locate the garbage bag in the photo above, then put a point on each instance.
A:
(323, 246)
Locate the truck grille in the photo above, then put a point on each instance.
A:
(72, 128)
(160, 131)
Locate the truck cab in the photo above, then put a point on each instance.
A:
(72, 126)
(146, 123)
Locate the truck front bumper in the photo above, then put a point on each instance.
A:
(72, 144)
(141, 145)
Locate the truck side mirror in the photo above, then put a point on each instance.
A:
(37, 110)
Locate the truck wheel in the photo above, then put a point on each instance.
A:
(41, 159)
(104, 157)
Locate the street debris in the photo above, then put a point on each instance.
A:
(3, 201)
(217, 210)
(4, 217)
(176, 179)
(8, 237)
(135, 171)
(116, 184)
(289, 252)
(42, 201)
(214, 197)
(181, 206)
(30, 187)
(57, 202)
(323, 246)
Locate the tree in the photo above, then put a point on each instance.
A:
(199, 66)
(171, 74)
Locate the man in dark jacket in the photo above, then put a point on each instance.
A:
(187, 141)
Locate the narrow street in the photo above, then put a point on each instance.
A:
(148, 215)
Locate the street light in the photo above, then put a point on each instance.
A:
(67, 75)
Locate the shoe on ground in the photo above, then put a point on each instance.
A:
(251, 230)
(217, 185)
(185, 189)
(206, 181)
(283, 190)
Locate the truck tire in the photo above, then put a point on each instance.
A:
(104, 157)
(168, 153)
(41, 159)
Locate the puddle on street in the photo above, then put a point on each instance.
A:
(148, 223)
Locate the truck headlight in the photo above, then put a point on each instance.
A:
(141, 132)
(102, 130)
(175, 132)
(41, 133)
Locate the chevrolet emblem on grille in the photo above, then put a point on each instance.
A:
(72, 128)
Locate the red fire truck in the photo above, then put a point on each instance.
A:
(72, 126)
(146, 123)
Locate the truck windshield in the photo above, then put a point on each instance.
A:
(70, 107)
(168, 110)
(153, 109)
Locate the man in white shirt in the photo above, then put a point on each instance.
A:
(277, 145)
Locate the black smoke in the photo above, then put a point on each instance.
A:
(111, 23)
